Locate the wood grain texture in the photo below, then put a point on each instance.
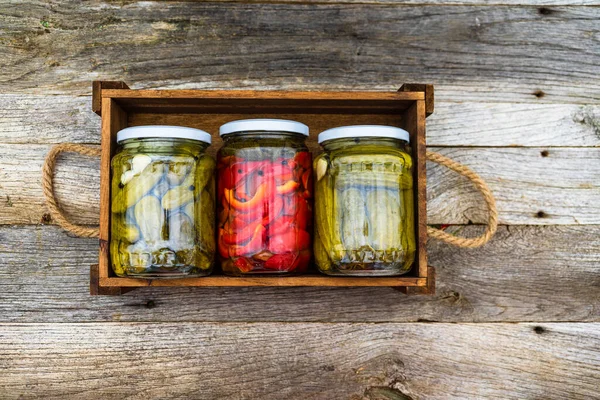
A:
(70, 119)
(422, 2)
(564, 186)
(509, 53)
(525, 274)
(299, 361)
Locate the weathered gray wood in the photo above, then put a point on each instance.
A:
(489, 124)
(564, 186)
(513, 53)
(54, 119)
(524, 274)
(300, 361)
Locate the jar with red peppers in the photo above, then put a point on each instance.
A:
(264, 200)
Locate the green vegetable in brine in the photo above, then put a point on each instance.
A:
(181, 230)
(205, 171)
(128, 194)
(354, 219)
(321, 255)
(205, 222)
(150, 217)
(124, 230)
(181, 194)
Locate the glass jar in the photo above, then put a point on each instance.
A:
(264, 193)
(162, 203)
(364, 202)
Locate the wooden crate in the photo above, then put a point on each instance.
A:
(121, 107)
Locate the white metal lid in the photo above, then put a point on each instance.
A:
(163, 131)
(263, 124)
(354, 131)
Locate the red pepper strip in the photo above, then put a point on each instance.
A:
(253, 246)
(287, 187)
(243, 264)
(301, 264)
(293, 239)
(223, 248)
(303, 215)
(281, 262)
(281, 224)
(240, 193)
(239, 220)
(307, 180)
(290, 206)
(284, 177)
(239, 236)
(226, 160)
(241, 171)
(303, 158)
(250, 204)
(273, 210)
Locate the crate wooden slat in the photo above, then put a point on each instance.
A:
(120, 107)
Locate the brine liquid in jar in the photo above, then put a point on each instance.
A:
(364, 202)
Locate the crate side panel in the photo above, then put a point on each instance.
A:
(414, 123)
(113, 119)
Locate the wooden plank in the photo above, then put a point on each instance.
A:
(414, 123)
(307, 280)
(479, 53)
(531, 185)
(300, 360)
(40, 119)
(113, 121)
(526, 273)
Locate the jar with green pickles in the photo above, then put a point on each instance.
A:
(162, 203)
(364, 208)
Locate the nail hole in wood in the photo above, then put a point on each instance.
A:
(539, 330)
(545, 11)
(545, 153)
(150, 304)
(541, 214)
(539, 94)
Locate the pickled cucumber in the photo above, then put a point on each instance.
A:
(122, 229)
(130, 193)
(207, 226)
(158, 203)
(181, 230)
(364, 209)
(354, 220)
(150, 218)
(204, 172)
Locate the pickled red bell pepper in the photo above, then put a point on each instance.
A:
(264, 215)
(254, 202)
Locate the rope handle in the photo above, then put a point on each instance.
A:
(48, 187)
(60, 218)
(487, 196)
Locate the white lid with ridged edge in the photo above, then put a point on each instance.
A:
(354, 131)
(163, 131)
(263, 125)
